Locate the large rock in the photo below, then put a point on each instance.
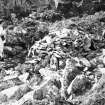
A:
(79, 85)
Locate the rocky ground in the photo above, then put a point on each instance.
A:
(47, 59)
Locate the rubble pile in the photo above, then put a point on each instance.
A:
(64, 62)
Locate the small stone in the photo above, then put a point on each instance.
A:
(28, 102)
(3, 98)
(85, 62)
(91, 77)
(88, 73)
(35, 80)
(62, 64)
(38, 94)
(24, 77)
(54, 63)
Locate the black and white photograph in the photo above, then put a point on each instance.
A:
(52, 52)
